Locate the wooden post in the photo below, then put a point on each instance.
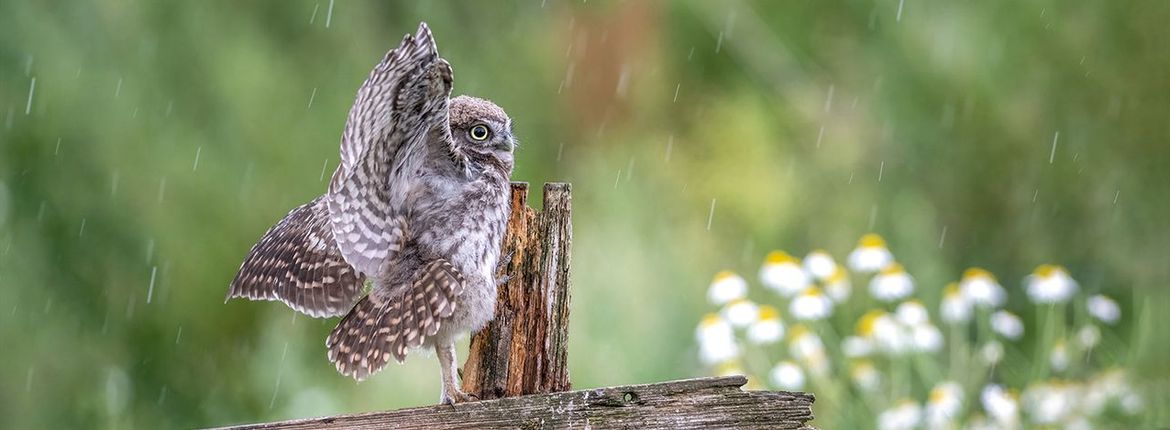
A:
(524, 350)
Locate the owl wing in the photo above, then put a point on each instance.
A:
(398, 118)
(298, 263)
(379, 328)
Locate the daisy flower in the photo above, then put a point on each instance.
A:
(1103, 309)
(837, 286)
(980, 288)
(726, 287)
(768, 328)
(820, 264)
(904, 416)
(1007, 324)
(741, 312)
(1050, 284)
(893, 283)
(787, 375)
(782, 273)
(870, 255)
(955, 308)
(811, 305)
(716, 340)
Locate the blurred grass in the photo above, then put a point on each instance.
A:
(806, 123)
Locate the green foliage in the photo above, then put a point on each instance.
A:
(162, 138)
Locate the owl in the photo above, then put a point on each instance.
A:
(417, 206)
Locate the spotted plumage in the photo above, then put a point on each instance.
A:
(418, 206)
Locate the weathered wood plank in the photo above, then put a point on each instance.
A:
(524, 349)
(705, 403)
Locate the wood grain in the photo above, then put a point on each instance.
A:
(706, 403)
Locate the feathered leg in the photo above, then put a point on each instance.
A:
(451, 393)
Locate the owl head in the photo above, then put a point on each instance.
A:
(482, 131)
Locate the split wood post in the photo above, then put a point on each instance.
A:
(524, 350)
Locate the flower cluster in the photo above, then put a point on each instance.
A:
(904, 356)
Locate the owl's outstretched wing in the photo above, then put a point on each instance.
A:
(398, 119)
(298, 263)
(379, 328)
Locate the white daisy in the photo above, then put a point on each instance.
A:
(893, 283)
(865, 375)
(811, 305)
(980, 288)
(837, 286)
(991, 353)
(1007, 324)
(1001, 405)
(1088, 337)
(782, 273)
(856, 346)
(911, 313)
(883, 330)
(806, 347)
(955, 308)
(1050, 284)
(926, 338)
(768, 329)
(870, 255)
(741, 312)
(1103, 308)
(726, 287)
(1050, 403)
(820, 264)
(716, 340)
(787, 375)
(903, 416)
(944, 405)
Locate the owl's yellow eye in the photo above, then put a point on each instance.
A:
(479, 132)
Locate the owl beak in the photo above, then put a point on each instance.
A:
(506, 144)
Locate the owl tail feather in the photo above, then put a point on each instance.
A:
(378, 328)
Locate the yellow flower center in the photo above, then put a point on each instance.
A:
(724, 275)
(1046, 270)
(952, 290)
(893, 269)
(709, 320)
(866, 324)
(778, 257)
(871, 240)
(977, 272)
(769, 313)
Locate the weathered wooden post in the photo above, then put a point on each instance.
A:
(518, 364)
(524, 350)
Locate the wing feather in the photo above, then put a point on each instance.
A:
(398, 117)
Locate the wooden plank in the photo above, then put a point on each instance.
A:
(705, 403)
(524, 349)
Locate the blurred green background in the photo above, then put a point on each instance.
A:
(145, 146)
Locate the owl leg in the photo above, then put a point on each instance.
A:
(451, 393)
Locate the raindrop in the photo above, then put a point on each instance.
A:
(1035, 194)
(1052, 154)
(162, 395)
(41, 211)
(942, 238)
(820, 135)
(691, 54)
(150, 290)
(1115, 195)
(881, 170)
(279, 374)
(179, 335)
(48, 305)
(851, 177)
(114, 182)
(162, 188)
(560, 150)
(719, 43)
(311, 97)
(81, 231)
(170, 107)
(676, 88)
(617, 179)
(623, 81)
(324, 166)
(669, 148)
(899, 17)
(195, 166)
(314, 16)
(629, 169)
(118, 88)
(57, 150)
(329, 15)
(710, 214)
(872, 218)
(32, 88)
